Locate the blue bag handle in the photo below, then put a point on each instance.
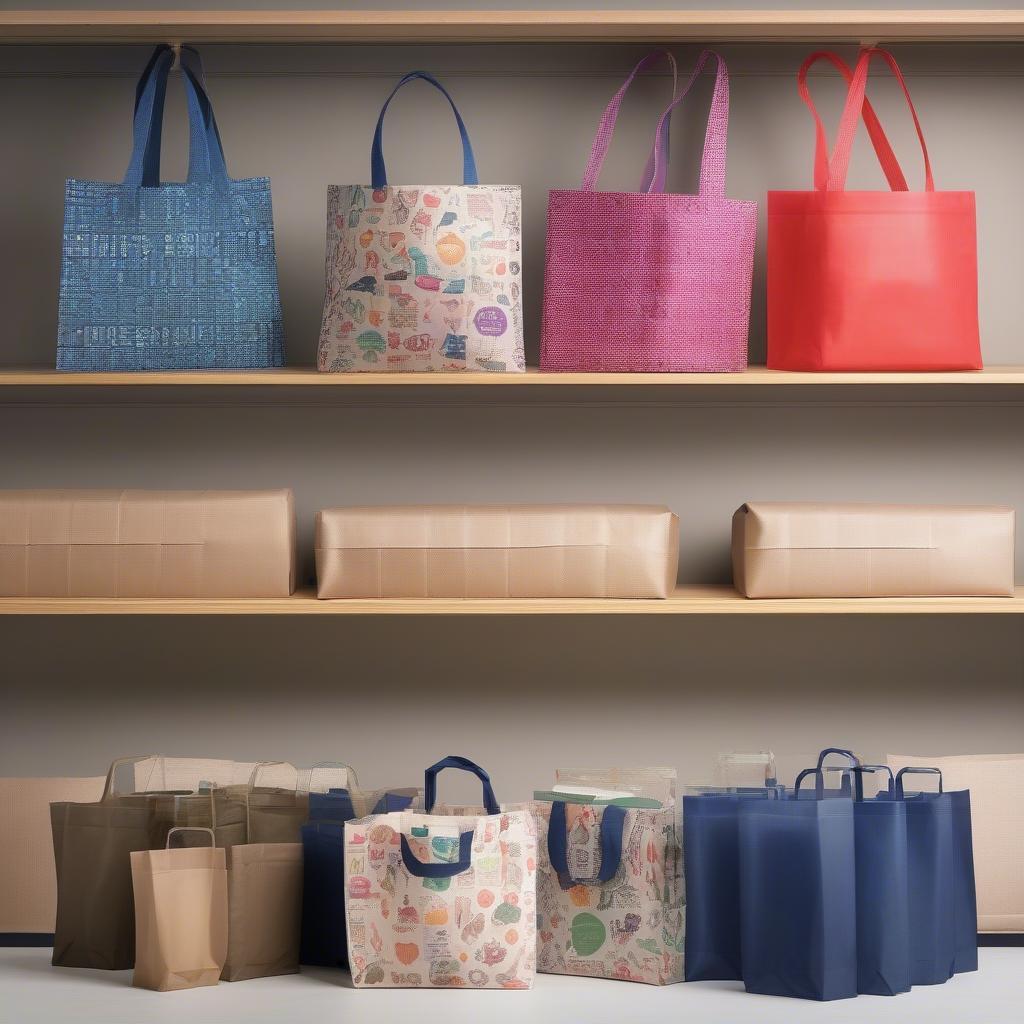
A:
(421, 870)
(378, 173)
(612, 822)
(206, 155)
(819, 773)
(463, 764)
(915, 771)
(861, 768)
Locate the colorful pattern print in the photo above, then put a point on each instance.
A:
(423, 278)
(475, 929)
(629, 928)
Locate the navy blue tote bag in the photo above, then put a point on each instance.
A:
(883, 918)
(930, 857)
(172, 276)
(322, 938)
(711, 862)
(798, 908)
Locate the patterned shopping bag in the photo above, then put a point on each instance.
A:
(423, 277)
(610, 882)
(172, 276)
(442, 901)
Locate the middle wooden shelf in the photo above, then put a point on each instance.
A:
(688, 599)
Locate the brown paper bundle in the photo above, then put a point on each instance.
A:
(181, 916)
(265, 909)
(804, 549)
(479, 551)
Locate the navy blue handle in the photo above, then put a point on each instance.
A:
(463, 764)
(915, 771)
(861, 768)
(857, 792)
(206, 155)
(379, 174)
(612, 822)
(417, 867)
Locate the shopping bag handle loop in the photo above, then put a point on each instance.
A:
(190, 828)
(886, 156)
(712, 161)
(840, 162)
(463, 764)
(871, 769)
(910, 770)
(438, 870)
(606, 128)
(378, 172)
(613, 821)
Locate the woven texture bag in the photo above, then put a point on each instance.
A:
(423, 277)
(644, 281)
(173, 276)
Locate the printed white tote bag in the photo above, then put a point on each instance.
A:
(423, 277)
(442, 901)
(610, 891)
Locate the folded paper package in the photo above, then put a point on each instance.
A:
(624, 551)
(112, 543)
(784, 549)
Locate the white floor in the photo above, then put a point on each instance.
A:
(31, 990)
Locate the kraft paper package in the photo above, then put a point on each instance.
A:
(996, 786)
(507, 551)
(798, 549)
(264, 909)
(28, 895)
(181, 915)
(111, 543)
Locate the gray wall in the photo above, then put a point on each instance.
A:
(523, 694)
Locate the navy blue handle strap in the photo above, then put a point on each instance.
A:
(915, 771)
(819, 783)
(440, 870)
(872, 768)
(463, 764)
(206, 156)
(612, 822)
(379, 174)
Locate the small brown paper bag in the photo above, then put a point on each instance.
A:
(181, 915)
(265, 909)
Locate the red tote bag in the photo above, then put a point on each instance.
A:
(870, 280)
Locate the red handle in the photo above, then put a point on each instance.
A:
(855, 103)
(886, 157)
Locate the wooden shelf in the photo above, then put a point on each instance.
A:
(147, 26)
(308, 377)
(687, 600)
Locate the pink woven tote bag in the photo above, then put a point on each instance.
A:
(643, 282)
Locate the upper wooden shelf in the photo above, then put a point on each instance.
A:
(687, 600)
(303, 376)
(146, 25)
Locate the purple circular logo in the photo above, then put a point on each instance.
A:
(491, 321)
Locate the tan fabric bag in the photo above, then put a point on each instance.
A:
(467, 551)
(181, 915)
(265, 910)
(805, 549)
(91, 848)
(996, 783)
(28, 892)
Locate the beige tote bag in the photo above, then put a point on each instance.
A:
(181, 915)
(265, 910)
(996, 782)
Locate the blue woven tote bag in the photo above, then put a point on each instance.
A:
(176, 276)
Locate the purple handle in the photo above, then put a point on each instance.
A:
(712, 162)
(605, 130)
